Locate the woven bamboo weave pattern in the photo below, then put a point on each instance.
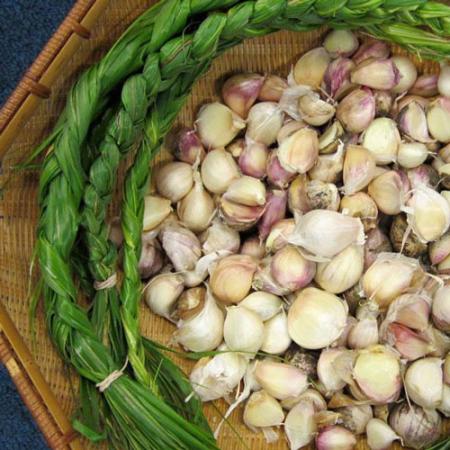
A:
(19, 209)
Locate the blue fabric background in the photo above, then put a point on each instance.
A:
(25, 27)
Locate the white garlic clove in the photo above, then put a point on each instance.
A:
(355, 417)
(359, 168)
(156, 209)
(299, 425)
(264, 304)
(376, 74)
(328, 168)
(174, 180)
(289, 127)
(264, 121)
(407, 74)
(389, 192)
(262, 410)
(356, 110)
(246, 191)
(315, 111)
(340, 43)
(279, 233)
(441, 308)
(218, 171)
(239, 217)
(438, 117)
(335, 437)
(253, 160)
(272, 88)
(276, 336)
(298, 200)
(326, 369)
(310, 68)
(411, 154)
(361, 205)
(382, 139)
(380, 435)
(443, 83)
(220, 237)
(412, 121)
(189, 147)
(254, 247)
(363, 334)
(323, 195)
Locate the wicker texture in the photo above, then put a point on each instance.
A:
(19, 209)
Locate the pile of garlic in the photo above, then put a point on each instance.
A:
(302, 231)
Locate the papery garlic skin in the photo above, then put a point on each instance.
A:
(371, 49)
(310, 68)
(355, 417)
(162, 293)
(262, 410)
(380, 435)
(203, 332)
(240, 92)
(316, 318)
(407, 74)
(377, 374)
(220, 237)
(441, 308)
(423, 174)
(340, 43)
(218, 171)
(156, 209)
(411, 154)
(359, 169)
(326, 233)
(342, 272)
(231, 278)
(280, 380)
(438, 117)
(243, 329)
(388, 192)
(326, 369)
(265, 304)
(335, 437)
(217, 125)
(276, 336)
(174, 180)
(382, 139)
(357, 110)
(383, 103)
(299, 425)
(376, 74)
(264, 122)
(417, 428)
(423, 382)
(404, 240)
(247, 191)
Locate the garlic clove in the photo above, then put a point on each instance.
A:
(443, 83)
(253, 246)
(326, 370)
(423, 174)
(315, 111)
(361, 205)
(151, 259)
(275, 211)
(407, 74)
(377, 374)
(276, 336)
(247, 191)
(276, 174)
(264, 281)
(425, 85)
(298, 200)
(356, 110)
(376, 73)
(335, 437)
(264, 121)
(262, 410)
(439, 250)
(340, 43)
(444, 407)
(217, 125)
(240, 92)
(231, 278)
(380, 435)
(289, 128)
(363, 334)
(239, 217)
(316, 318)
(279, 232)
(388, 191)
(309, 396)
(329, 167)
(220, 237)
(189, 147)
(218, 171)
(243, 330)
(174, 180)
(412, 121)
(310, 68)
(290, 269)
(441, 308)
(236, 148)
(371, 49)
(411, 154)
(355, 417)
(264, 304)
(438, 117)
(272, 89)
(253, 160)
(299, 425)
(156, 209)
(359, 168)
(428, 394)
(280, 380)
(329, 139)
(342, 272)
(162, 293)
(382, 139)
(299, 152)
(410, 310)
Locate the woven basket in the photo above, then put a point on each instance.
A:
(45, 384)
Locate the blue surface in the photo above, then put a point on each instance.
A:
(25, 27)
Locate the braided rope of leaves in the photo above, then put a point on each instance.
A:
(63, 178)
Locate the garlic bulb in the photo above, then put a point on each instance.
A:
(253, 160)
(361, 205)
(441, 308)
(388, 191)
(156, 209)
(299, 425)
(253, 246)
(275, 210)
(407, 74)
(240, 92)
(174, 180)
(315, 111)
(342, 272)
(218, 171)
(326, 369)
(264, 121)
(217, 125)
(438, 117)
(220, 237)
(426, 394)
(247, 191)
(316, 318)
(243, 329)
(425, 85)
(264, 304)
(197, 208)
(389, 276)
(382, 139)
(310, 68)
(290, 269)
(276, 336)
(326, 233)
(363, 334)
(372, 48)
(231, 279)
(162, 293)
(335, 437)
(299, 152)
(380, 435)
(262, 410)
(355, 417)
(377, 374)
(428, 214)
(356, 110)
(272, 88)
(276, 174)
(280, 380)
(376, 73)
(416, 427)
(189, 147)
(359, 169)
(204, 331)
(411, 154)
(278, 234)
(239, 217)
(216, 377)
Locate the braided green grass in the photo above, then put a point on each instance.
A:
(62, 181)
